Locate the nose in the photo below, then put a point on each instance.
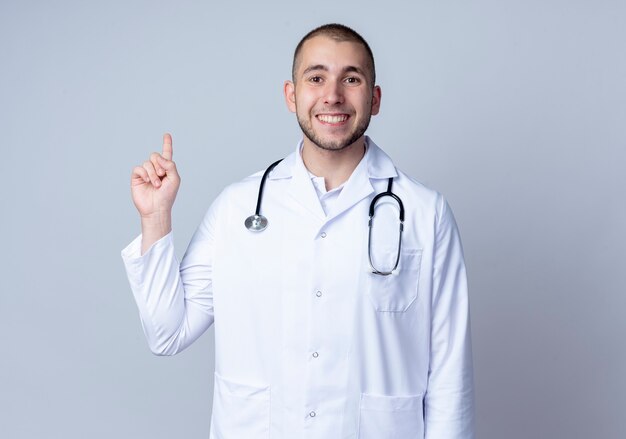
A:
(333, 93)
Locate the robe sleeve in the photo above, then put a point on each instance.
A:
(175, 300)
(449, 399)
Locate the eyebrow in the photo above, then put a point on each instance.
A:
(325, 69)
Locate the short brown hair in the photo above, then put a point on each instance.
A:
(339, 33)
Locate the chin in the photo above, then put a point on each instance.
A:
(331, 145)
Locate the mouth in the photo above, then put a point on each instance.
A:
(332, 119)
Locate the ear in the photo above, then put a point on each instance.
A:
(289, 89)
(376, 95)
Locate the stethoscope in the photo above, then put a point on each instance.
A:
(258, 222)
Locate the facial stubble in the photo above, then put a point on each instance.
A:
(356, 134)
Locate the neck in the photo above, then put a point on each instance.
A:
(335, 166)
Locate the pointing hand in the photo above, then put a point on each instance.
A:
(155, 183)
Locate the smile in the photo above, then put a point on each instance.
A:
(332, 119)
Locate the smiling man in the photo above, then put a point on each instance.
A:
(335, 86)
(333, 95)
(346, 314)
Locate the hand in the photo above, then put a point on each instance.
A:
(154, 184)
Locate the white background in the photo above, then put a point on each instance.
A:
(514, 110)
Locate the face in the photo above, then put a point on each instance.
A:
(333, 95)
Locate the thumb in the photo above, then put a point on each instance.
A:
(168, 165)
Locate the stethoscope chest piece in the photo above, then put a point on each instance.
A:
(256, 223)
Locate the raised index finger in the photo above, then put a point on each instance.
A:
(167, 146)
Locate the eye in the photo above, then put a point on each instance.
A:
(353, 80)
(315, 79)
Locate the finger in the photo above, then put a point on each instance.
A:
(168, 151)
(159, 169)
(154, 178)
(140, 173)
(168, 165)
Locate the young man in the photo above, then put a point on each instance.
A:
(324, 327)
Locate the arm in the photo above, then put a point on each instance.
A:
(449, 400)
(174, 300)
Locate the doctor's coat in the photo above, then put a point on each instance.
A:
(309, 343)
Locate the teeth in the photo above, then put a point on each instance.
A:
(332, 119)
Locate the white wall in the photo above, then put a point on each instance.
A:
(514, 110)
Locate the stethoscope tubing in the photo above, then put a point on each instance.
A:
(387, 193)
(258, 223)
(265, 174)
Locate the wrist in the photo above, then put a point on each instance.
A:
(159, 222)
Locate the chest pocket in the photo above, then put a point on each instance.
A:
(397, 291)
